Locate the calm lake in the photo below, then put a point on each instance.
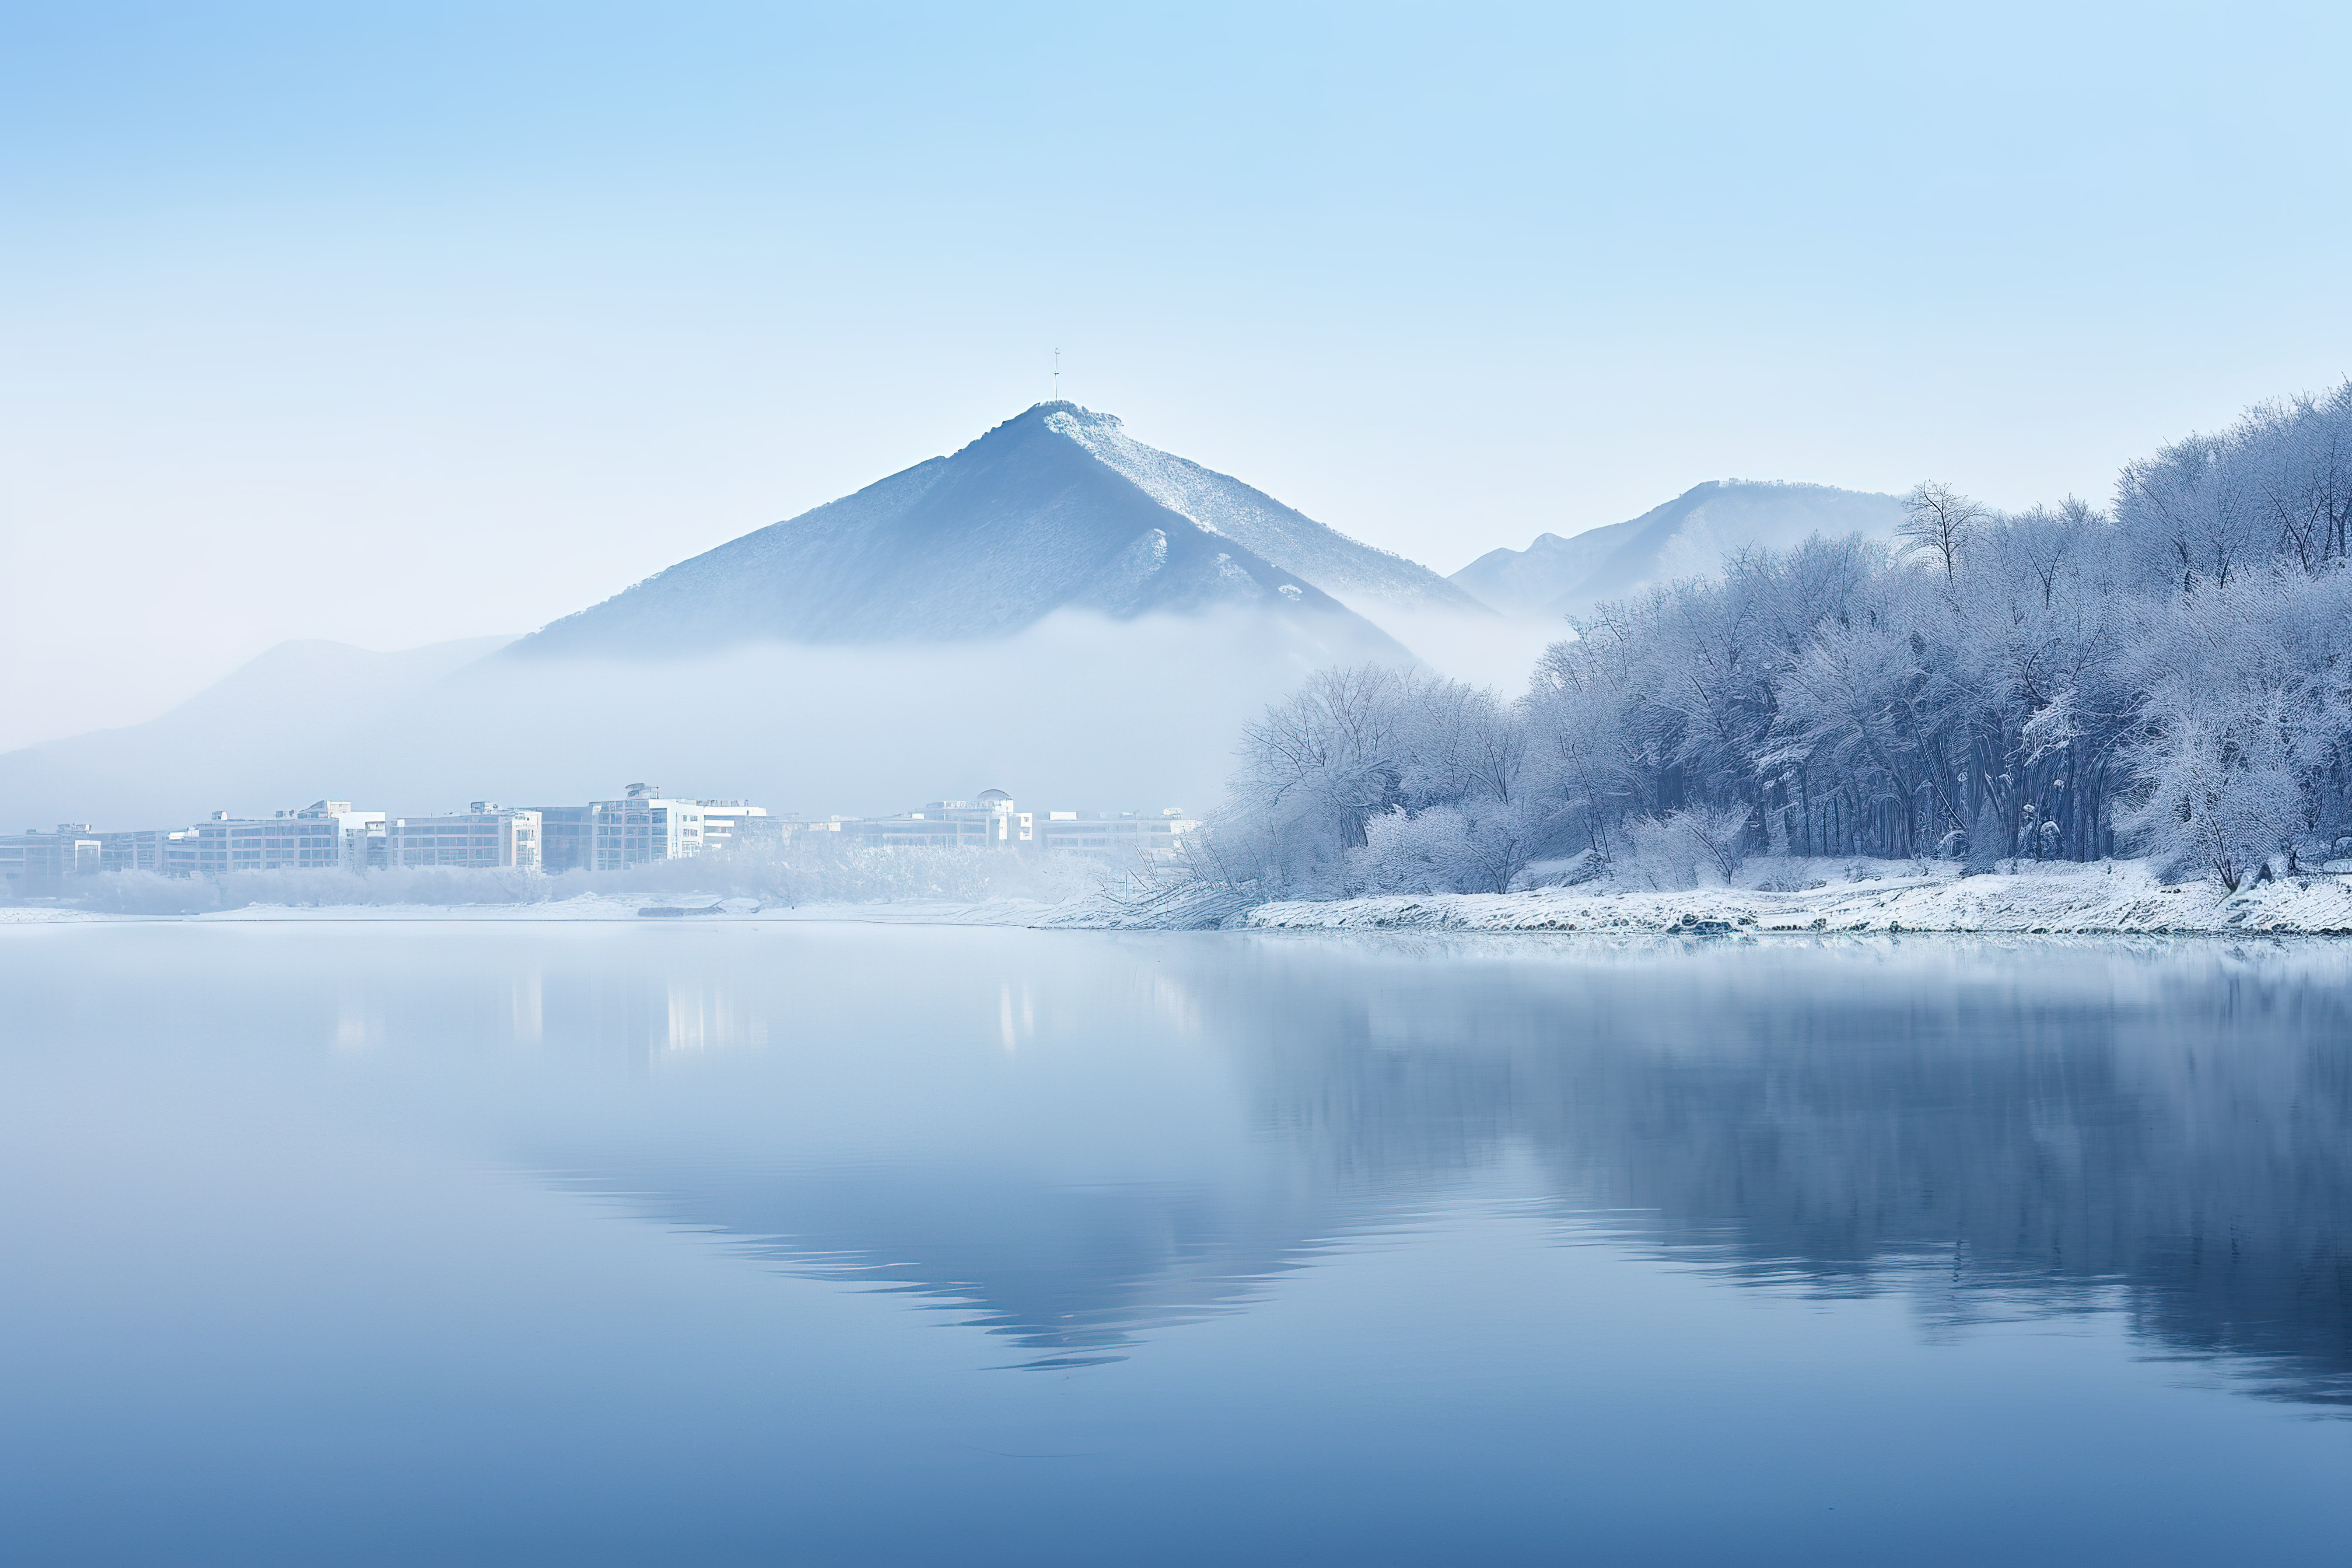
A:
(448, 1242)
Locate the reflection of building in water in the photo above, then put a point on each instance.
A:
(708, 1016)
(529, 1008)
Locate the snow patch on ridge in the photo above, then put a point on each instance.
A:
(1218, 504)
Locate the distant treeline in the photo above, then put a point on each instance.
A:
(2171, 676)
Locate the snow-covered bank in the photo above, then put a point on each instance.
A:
(587, 907)
(2115, 896)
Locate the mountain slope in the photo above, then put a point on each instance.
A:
(306, 700)
(1026, 521)
(1689, 536)
(1291, 540)
(1526, 582)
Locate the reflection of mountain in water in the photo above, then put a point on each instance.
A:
(1986, 1130)
(1071, 1275)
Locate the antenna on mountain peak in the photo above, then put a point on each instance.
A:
(1057, 375)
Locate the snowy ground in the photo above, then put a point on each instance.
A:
(2115, 897)
(588, 907)
(1864, 896)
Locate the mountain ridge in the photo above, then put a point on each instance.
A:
(1053, 509)
(1560, 576)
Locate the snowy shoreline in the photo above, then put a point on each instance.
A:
(586, 908)
(2116, 898)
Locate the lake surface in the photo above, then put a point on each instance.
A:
(832, 1243)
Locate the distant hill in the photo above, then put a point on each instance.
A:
(1055, 509)
(1689, 536)
(298, 701)
(1056, 606)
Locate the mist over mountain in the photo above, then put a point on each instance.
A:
(1686, 537)
(1089, 711)
(1057, 508)
(1055, 607)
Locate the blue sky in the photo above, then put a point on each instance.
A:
(403, 322)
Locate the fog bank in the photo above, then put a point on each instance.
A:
(1075, 711)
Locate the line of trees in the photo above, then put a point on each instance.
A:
(2170, 677)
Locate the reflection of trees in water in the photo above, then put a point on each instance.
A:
(2033, 1129)
(1989, 1130)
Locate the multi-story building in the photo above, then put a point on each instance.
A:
(645, 825)
(141, 850)
(325, 835)
(1128, 838)
(729, 827)
(989, 822)
(180, 854)
(33, 861)
(567, 837)
(486, 835)
(640, 827)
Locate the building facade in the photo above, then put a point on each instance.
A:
(642, 826)
(325, 835)
(485, 836)
(732, 827)
(566, 837)
(1127, 838)
(141, 850)
(36, 862)
(989, 822)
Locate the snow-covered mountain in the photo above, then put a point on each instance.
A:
(1055, 509)
(1368, 579)
(1688, 537)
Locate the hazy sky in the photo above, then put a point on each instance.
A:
(396, 324)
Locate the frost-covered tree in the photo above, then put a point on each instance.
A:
(1335, 781)
(1939, 522)
(2173, 677)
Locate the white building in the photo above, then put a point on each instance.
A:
(35, 860)
(566, 837)
(324, 836)
(989, 822)
(610, 835)
(640, 827)
(486, 835)
(144, 850)
(1127, 838)
(730, 826)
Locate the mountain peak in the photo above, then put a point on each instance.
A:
(1686, 537)
(1057, 507)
